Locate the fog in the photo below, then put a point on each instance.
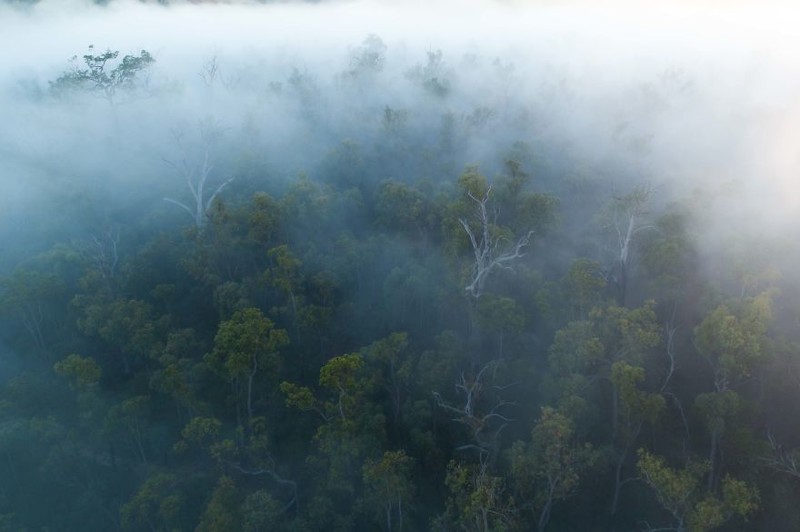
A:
(106, 254)
(684, 95)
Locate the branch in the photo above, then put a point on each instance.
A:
(182, 205)
(277, 478)
(780, 460)
(216, 192)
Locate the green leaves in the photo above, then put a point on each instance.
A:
(222, 512)
(389, 486)
(83, 372)
(551, 466)
(155, 504)
(733, 337)
(679, 491)
(478, 500)
(101, 78)
(246, 341)
(636, 406)
(675, 489)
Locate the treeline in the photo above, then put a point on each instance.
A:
(391, 344)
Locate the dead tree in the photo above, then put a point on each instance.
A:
(103, 253)
(486, 246)
(209, 72)
(196, 177)
(781, 460)
(627, 214)
(484, 426)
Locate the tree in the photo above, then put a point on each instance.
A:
(244, 345)
(391, 354)
(636, 407)
(549, 469)
(484, 422)
(626, 215)
(680, 493)
(156, 504)
(732, 339)
(486, 243)
(390, 486)
(33, 297)
(222, 512)
(128, 75)
(583, 286)
(433, 76)
(368, 59)
(196, 175)
(478, 501)
(133, 414)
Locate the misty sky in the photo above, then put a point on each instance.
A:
(685, 96)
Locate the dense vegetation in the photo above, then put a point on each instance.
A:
(394, 314)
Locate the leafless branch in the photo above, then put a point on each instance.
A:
(196, 178)
(487, 248)
(781, 460)
(483, 426)
(275, 477)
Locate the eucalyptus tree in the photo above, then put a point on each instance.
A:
(680, 492)
(491, 215)
(244, 346)
(733, 340)
(550, 467)
(106, 77)
(626, 219)
(195, 167)
(390, 487)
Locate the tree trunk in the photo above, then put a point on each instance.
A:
(712, 459)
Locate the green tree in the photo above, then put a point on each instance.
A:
(397, 365)
(583, 285)
(486, 237)
(223, 512)
(105, 76)
(624, 221)
(732, 338)
(245, 345)
(352, 427)
(693, 509)
(34, 299)
(477, 501)
(636, 407)
(390, 487)
(550, 467)
(155, 505)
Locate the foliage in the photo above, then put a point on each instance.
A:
(681, 494)
(103, 77)
(550, 467)
(404, 313)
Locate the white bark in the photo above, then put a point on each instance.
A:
(196, 180)
(486, 248)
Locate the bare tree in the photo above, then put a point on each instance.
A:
(486, 246)
(196, 177)
(209, 72)
(626, 221)
(484, 426)
(780, 459)
(101, 252)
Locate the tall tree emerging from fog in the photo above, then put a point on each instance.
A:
(104, 76)
(626, 213)
(196, 173)
(490, 215)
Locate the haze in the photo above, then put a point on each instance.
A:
(444, 249)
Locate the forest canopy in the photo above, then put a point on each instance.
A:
(294, 280)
